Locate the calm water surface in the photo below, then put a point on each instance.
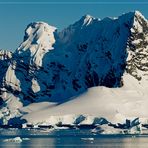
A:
(69, 138)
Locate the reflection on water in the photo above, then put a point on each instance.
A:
(70, 138)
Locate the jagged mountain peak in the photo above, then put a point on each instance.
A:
(82, 22)
(140, 22)
(140, 17)
(139, 14)
(4, 54)
(39, 28)
(38, 33)
(86, 19)
(39, 39)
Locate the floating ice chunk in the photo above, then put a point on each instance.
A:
(25, 139)
(56, 127)
(90, 139)
(16, 139)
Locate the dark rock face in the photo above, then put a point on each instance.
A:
(5, 58)
(138, 48)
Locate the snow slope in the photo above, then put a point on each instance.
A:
(115, 104)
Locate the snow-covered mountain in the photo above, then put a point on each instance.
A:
(50, 70)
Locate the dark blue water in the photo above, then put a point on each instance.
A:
(69, 138)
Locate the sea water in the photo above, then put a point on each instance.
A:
(40, 138)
